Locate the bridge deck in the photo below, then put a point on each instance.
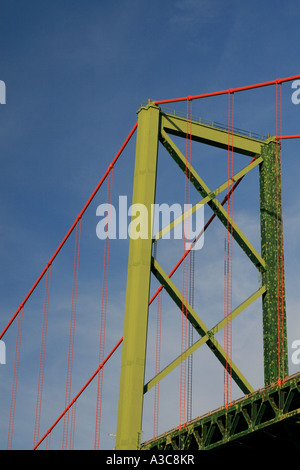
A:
(269, 416)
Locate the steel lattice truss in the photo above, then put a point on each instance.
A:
(256, 420)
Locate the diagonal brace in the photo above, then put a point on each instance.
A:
(199, 326)
(176, 362)
(214, 204)
(206, 199)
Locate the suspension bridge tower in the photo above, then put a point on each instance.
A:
(155, 128)
(259, 416)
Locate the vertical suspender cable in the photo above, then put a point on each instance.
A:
(157, 362)
(19, 312)
(277, 231)
(279, 237)
(183, 365)
(15, 380)
(109, 355)
(231, 246)
(157, 352)
(48, 440)
(190, 337)
(103, 313)
(281, 253)
(228, 261)
(42, 357)
(87, 204)
(72, 431)
(74, 304)
(72, 333)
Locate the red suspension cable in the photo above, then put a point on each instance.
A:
(21, 306)
(71, 229)
(280, 137)
(197, 238)
(78, 394)
(48, 433)
(19, 311)
(186, 281)
(233, 90)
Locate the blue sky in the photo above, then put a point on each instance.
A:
(76, 73)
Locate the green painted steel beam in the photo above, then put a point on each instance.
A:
(199, 325)
(163, 373)
(214, 204)
(210, 135)
(208, 198)
(138, 283)
(274, 316)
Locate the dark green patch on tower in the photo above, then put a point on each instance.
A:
(273, 301)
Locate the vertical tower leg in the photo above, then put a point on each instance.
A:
(274, 310)
(138, 284)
